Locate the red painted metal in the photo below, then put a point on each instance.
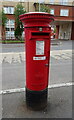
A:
(37, 71)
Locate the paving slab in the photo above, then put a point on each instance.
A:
(59, 105)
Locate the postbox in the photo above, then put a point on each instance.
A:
(37, 39)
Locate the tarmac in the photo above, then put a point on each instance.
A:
(59, 105)
(59, 95)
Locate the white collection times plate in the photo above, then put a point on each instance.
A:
(39, 47)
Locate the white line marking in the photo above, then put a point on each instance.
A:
(61, 85)
(18, 57)
(53, 51)
(9, 91)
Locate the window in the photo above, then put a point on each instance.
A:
(64, 2)
(52, 11)
(10, 24)
(16, 0)
(51, 1)
(10, 29)
(64, 12)
(8, 0)
(23, 34)
(41, 1)
(9, 34)
(21, 0)
(9, 10)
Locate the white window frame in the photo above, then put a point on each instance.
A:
(52, 11)
(8, 9)
(64, 2)
(8, 0)
(52, 1)
(64, 12)
(10, 33)
(9, 24)
(41, 1)
(21, 0)
(5, 9)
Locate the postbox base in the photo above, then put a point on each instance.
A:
(36, 100)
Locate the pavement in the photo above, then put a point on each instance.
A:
(59, 105)
(59, 87)
(18, 57)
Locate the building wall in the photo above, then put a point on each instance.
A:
(0, 31)
(64, 23)
(72, 32)
(31, 7)
(57, 9)
(9, 33)
(65, 31)
(0, 20)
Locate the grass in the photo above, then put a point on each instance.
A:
(11, 41)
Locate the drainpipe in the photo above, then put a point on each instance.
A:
(39, 6)
(28, 6)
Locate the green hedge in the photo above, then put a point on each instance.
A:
(11, 41)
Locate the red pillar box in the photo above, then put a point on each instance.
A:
(37, 35)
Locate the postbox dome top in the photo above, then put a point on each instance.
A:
(37, 13)
(30, 14)
(36, 18)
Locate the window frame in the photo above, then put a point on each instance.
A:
(64, 2)
(52, 1)
(10, 26)
(9, 9)
(62, 12)
(53, 10)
